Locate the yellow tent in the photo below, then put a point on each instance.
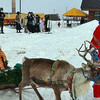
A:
(13, 16)
(75, 13)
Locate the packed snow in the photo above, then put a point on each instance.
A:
(61, 44)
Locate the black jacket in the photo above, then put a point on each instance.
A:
(2, 15)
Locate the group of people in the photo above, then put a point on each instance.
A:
(32, 23)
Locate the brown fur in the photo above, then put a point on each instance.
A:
(37, 71)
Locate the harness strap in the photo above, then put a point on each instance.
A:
(95, 80)
(73, 89)
(71, 85)
(96, 40)
(54, 69)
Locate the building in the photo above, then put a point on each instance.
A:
(54, 17)
(93, 6)
(13, 6)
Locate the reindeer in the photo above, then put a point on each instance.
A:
(38, 72)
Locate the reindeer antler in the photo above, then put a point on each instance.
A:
(86, 51)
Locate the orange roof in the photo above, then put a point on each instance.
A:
(42, 15)
(13, 16)
(75, 13)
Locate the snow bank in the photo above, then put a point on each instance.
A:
(61, 44)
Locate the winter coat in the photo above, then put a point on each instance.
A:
(2, 15)
(96, 91)
(18, 18)
(30, 20)
(25, 21)
(34, 21)
(37, 19)
(97, 36)
(2, 59)
(18, 22)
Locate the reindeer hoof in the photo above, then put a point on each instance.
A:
(41, 98)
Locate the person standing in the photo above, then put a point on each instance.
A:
(96, 39)
(96, 42)
(41, 25)
(18, 22)
(37, 23)
(25, 24)
(46, 22)
(59, 24)
(30, 22)
(2, 15)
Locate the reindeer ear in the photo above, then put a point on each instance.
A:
(84, 66)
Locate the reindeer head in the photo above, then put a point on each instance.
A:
(92, 72)
(92, 67)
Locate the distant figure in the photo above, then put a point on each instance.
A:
(45, 23)
(3, 60)
(18, 22)
(82, 21)
(30, 25)
(37, 23)
(2, 15)
(59, 24)
(25, 20)
(49, 25)
(41, 25)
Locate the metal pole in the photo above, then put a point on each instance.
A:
(66, 9)
(20, 6)
(54, 11)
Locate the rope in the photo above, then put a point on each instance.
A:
(18, 89)
(13, 89)
(95, 80)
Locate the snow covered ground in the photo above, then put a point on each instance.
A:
(61, 44)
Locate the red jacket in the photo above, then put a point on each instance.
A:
(96, 90)
(97, 35)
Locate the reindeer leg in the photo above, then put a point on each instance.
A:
(35, 89)
(21, 86)
(57, 93)
(20, 90)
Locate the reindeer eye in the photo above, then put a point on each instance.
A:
(95, 73)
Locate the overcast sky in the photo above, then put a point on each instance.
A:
(42, 6)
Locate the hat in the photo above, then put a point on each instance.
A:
(18, 12)
(1, 8)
